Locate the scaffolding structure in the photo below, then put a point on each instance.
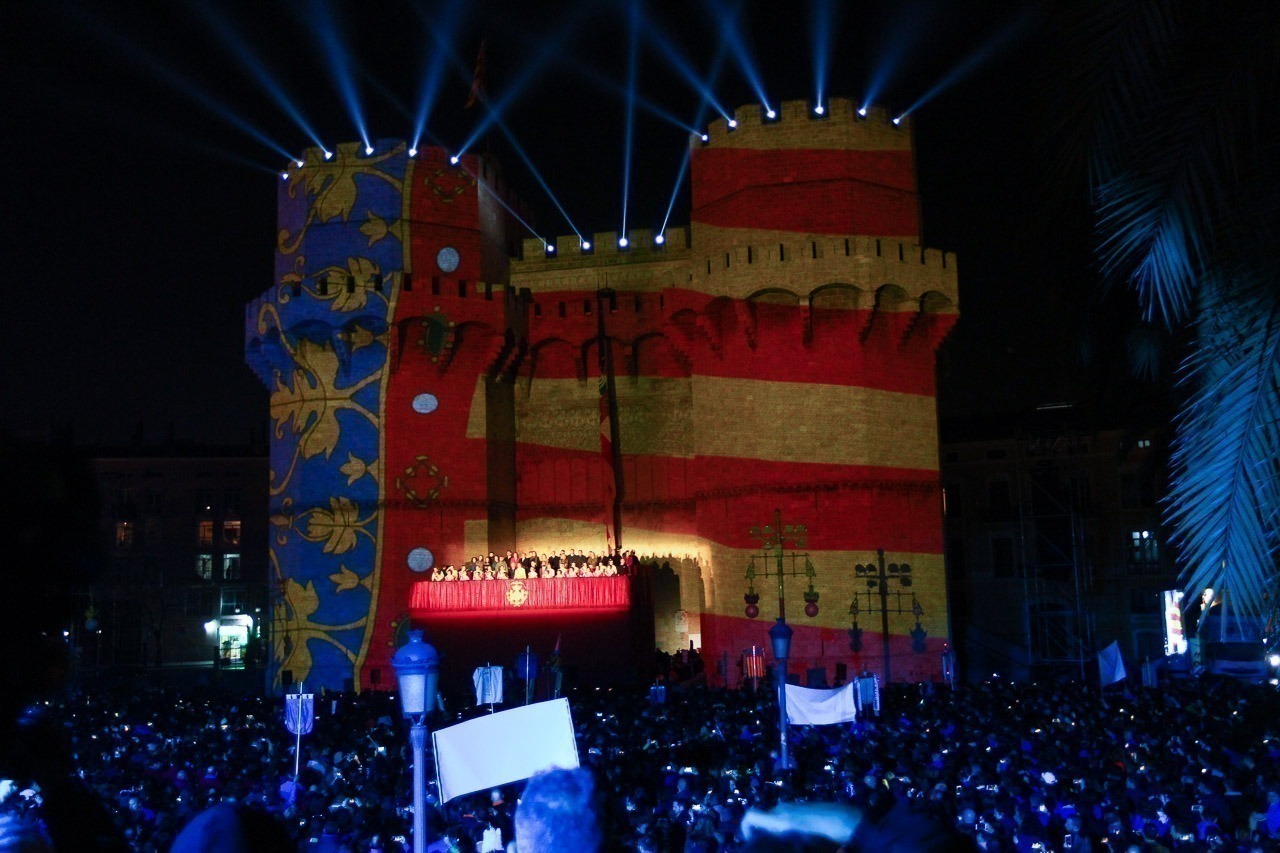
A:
(1054, 506)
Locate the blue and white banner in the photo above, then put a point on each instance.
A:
(809, 707)
(488, 683)
(299, 712)
(498, 749)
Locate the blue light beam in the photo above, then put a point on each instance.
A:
(100, 31)
(727, 19)
(973, 60)
(633, 53)
(434, 72)
(324, 28)
(824, 24)
(537, 175)
(234, 43)
(548, 49)
(672, 55)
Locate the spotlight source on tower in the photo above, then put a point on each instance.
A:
(733, 122)
(658, 239)
(368, 150)
(862, 110)
(819, 109)
(704, 137)
(328, 155)
(586, 245)
(549, 248)
(623, 242)
(413, 152)
(898, 119)
(453, 160)
(299, 163)
(284, 176)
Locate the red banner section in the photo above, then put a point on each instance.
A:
(829, 191)
(517, 596)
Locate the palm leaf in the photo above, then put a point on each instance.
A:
(1225, 502)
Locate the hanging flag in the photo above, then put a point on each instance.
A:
(478, 93)
(498, 749)
(1111, 665)
(609, 480)
(488, 683)
(809, 707)
(299, 712)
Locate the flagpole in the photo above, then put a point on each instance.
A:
(297, 750)
(605, 353)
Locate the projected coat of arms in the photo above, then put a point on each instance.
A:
(517, 594)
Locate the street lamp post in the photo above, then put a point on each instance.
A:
(877, 577)
(417, 667)
(773, 540)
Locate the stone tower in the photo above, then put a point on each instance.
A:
(776, 355)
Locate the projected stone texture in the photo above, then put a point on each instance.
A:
(778, 354)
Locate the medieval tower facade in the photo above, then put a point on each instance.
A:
(436, 393)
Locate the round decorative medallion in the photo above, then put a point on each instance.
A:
(447, 259)
(421, 560)
(425, 404)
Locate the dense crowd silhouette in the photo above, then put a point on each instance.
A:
(998, 766)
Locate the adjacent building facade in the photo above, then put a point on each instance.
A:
(186, 579)
(1054, 543)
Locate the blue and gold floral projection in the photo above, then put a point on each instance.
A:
(318, 340)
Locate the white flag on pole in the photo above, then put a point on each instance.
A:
(1111, 665)
(488, 684)
(505, 747)
(299, 712)
(809, 707)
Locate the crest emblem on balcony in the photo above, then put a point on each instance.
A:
(517, 595)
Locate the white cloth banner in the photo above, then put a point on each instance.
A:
(488, 684)
(1111, 665)
(498, 749)
(299, 712)
(809, 707)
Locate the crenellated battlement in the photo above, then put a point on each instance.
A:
(740, 263)
(568, 249)
(797, 126)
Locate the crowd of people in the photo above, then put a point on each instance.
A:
(999, 766)
(530, 564)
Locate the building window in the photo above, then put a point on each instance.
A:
(998, 503)
(154, 533)
(1144, 601)
(204, 534)
(204, 566)
(1144, 552)
(154, 502)
(200, 601)
(1002, 556)
(1144, 443)
(231, 502)
(204, 501)
(231, 567)
(232, 601)
(124, 534)
(231, 532)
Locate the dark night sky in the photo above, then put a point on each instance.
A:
(140, 222)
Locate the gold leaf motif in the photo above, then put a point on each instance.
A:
(311, 401)
(354, 468)
(294, 628)
(337, 526)
(344, 579)
(375, 228)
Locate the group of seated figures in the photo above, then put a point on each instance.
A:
(530, 564)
